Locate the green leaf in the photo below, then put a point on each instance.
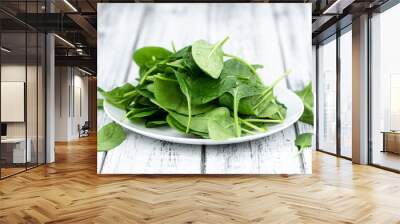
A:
(118, 96)
(247, 84)
(214, 87)
(263, 104)
(144, 90)
(221, 125)
(307, 97)
(177, 64)
(180, 127)
(185, 90)
(183, 59)
(154, 124)
(141, 112)
(110, 136)
(149, 56)
(247, 65)
(175, 124)
(100, 103)
(180, 54)
(241, 91)
(168, 94)
(198, 123)
(303, 141)
(247, 105)
(209, 57)
(150, 59)
(239, 71)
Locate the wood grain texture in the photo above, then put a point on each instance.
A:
(138, 154)
(292, 46)
(70, 191)
(102, 119)
(271, 155)
(115, 51)
(251, 31)
(250, 39)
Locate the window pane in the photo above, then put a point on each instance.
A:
(327, 97)
(31, 97)
(386, 89)
(41, 98)
(14, 153)
(346, 94)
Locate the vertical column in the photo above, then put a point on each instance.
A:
(360, 90)
(338, 99)
(50, 92)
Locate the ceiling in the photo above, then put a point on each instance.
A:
(74, 21)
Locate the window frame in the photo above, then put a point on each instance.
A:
(381, 9)
(334, 37)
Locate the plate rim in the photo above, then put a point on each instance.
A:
(202, 141)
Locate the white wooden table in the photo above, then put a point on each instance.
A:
(274, 35)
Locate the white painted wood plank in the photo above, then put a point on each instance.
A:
(167, 23)
(297, 55)
(142, 155)
(100, 159)
(112, 64)
(139, 154)
(251, 27)
(114, 52)
(102, 119)
(307, 153)
(271, 155)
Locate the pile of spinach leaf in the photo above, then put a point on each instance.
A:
(199, 90)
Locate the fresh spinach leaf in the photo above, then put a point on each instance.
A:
(168, 94)
(216, 124)
(149, 56)
(175, 124)
(246, 85)
(214, 87)
(118, 96)
(144, 90)
(110, 136)
(241, 91)
(180, 54)
(303, 141)
(190, 65)
(141, 112)
(209, 57)
(198, 123)
(307, 97)
(178, 126)
(221, 125)
(205, 89)
(100, 103)
(156, 123)
(184, 86)
(177, 64)
(247, 105)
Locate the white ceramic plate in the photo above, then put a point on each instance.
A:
(290, 99)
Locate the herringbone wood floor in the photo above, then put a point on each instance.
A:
(70, 191)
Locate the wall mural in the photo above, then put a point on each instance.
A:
(204, 88)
